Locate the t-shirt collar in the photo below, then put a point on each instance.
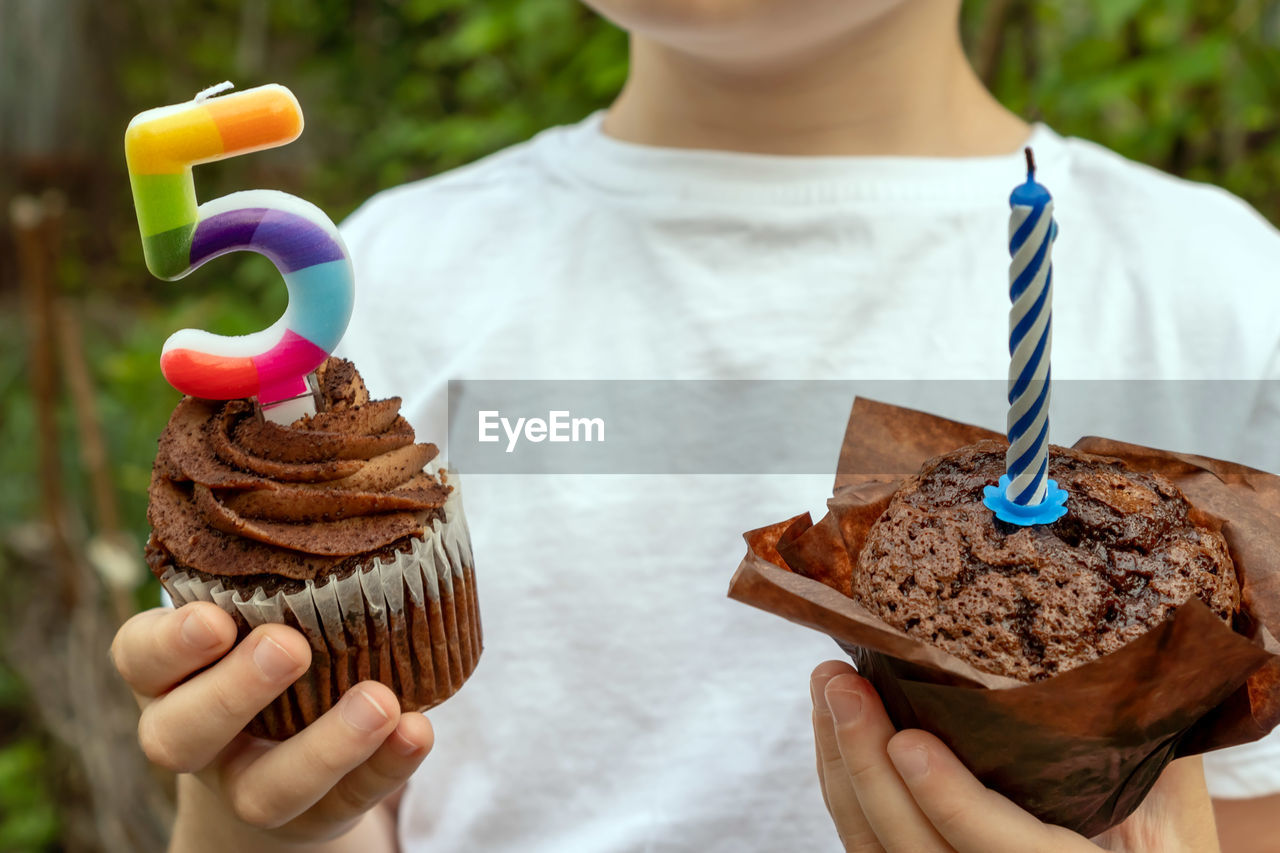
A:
(584, 153)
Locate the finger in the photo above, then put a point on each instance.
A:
(1181, 799)
(187, 727)
(973, 818)
(862, 730)
(837, 789)
(156, 649)
(1177, 814)
(269, 789)
(824, 741)
(385, 771)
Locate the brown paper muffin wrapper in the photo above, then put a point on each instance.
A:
(410, 621)
(1082, 748)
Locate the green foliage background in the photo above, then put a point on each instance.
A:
(396, 90)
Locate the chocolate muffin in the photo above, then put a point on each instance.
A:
(338, 524)
(1029, 602)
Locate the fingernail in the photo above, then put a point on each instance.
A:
(912, 762)
(846, 705)
(197, 632)
(363, 713)
(273, 660)
(403, 745)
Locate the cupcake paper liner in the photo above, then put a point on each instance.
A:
(410, 621)
(1082, 748)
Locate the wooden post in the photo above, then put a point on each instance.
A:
(35, 269)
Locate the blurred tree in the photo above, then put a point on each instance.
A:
(1188, 86)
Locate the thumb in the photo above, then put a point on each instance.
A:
(971, 817)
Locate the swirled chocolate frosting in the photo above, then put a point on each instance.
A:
(235, 495)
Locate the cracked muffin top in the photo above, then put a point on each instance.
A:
(1030, 602)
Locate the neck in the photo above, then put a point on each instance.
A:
(899, 85)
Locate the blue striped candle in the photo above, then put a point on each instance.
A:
(1026, 495)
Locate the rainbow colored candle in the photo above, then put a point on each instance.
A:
(1025, 494)
(161, 146)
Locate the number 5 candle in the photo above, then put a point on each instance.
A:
(161, 145)
(1025, 494)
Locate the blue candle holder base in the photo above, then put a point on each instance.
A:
(1053, 507)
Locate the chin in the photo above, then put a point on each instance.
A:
(744, 28)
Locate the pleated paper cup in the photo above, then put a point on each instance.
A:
(410, 620)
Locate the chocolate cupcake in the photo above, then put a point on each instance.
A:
(1064, 664)
(338, 524)
(1030, 602)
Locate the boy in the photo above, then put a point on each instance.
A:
(784, 189)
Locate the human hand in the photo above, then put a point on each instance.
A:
(905, 792)
(314, 786)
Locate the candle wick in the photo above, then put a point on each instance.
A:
(1031, 163)
(216, 89)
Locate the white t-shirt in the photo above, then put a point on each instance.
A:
(623, 703)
